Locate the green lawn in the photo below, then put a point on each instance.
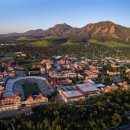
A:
(109, 43)
(30, 89)
(43, 43)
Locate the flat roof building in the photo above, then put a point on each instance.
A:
(88, 88)
(70, 94)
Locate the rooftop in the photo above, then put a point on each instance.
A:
(87, 87)
(72, 94)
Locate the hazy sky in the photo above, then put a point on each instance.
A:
(23, 15)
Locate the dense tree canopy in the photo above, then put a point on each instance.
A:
(89, 51)
(108, 110)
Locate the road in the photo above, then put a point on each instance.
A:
(25, 109)
(12, 125)
(14, 112)
(9, 122)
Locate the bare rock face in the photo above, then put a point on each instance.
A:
(105, 30)
(98, 30)
(127, 39)
(112, 30)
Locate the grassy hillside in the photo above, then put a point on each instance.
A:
(23, 38)
(70, 43)
(51, 37)
(42, 43)
(111, 44)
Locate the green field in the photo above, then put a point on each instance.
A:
(30, 89)
(43, 43)
(25, 38)
(111, 44)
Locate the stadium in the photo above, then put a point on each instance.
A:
(28, 85)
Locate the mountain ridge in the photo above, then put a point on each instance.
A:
(104, 30)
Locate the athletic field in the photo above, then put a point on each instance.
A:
(30, 89)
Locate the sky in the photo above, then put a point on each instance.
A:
(24, 15)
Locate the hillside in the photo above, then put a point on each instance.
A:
(111, 44)
(42, 43)
(25, 38)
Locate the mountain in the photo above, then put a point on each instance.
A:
(15, 34)
(34, 32)
(107, 31)
(59, 29)
(104, 31)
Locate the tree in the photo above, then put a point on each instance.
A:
(58, 127)
(116, 119)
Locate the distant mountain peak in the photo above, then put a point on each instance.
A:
(34, 32)
(109, 22)
(61, 26)
(59, 29)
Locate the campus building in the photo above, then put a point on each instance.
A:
(36, 99)
(70, 94)
(10, 102)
